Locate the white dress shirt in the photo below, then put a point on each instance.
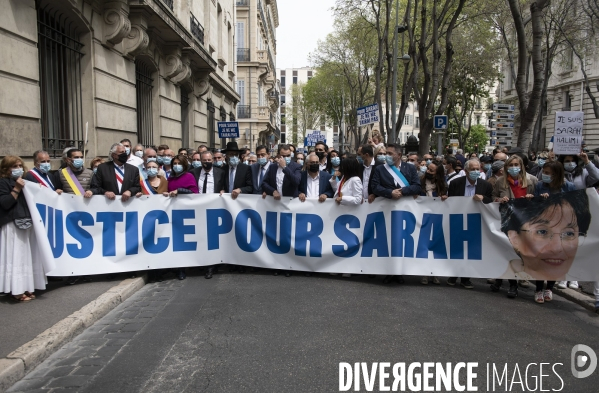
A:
(313, 189)
(470, 190)
(351, 192)
(366, 178)
(280, 177)
(209, 184)
(232, 172)
(323, 167)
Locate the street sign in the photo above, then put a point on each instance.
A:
(228, 129)
(440, 122)
(504, 107)
(368, 115)
(502, 133)
(503, 116)
(498, 124)
(454, 141)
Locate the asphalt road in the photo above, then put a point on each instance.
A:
(260, 333)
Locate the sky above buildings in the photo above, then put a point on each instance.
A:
(301, 25)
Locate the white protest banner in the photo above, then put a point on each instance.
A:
(422, 236)
(568, 132)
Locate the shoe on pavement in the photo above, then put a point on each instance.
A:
(424, 281)
(73, 280)
(548, 295)
(524, 283)
(539, 298)
(451, 281)
(513, 291)
(561, 284)
(573, 285)
(467, 284)
(208, 275)
(436, 281)
(495, 287)
(490, 281)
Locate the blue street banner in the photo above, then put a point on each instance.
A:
(228, 129)
(368, 115)
(314, 136)
(548, 239)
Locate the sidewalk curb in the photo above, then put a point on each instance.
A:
(25, 358)
(577, 297)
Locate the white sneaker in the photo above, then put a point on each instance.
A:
(561, 284)
(539, 297)
(573, 285)
(548, 295)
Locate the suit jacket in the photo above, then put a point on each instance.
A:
(293, 174)
(243, 179)
(383, 183)
(324, 184)
(219, 178)
(105, 180)
(376, 165)
(458, 187)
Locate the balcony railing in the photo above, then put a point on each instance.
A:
(196, 29)
(169, 3)
(242, 3)
(243, 111)
(243, 54)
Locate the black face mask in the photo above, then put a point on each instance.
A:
(123, 158)
(429, 176)
(207, 166)
(320, 154)
(314, 167)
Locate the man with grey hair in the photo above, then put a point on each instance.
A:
(40, 173)
(116, 177)
(314, 183)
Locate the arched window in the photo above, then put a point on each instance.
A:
(60, 81)
(143, 87)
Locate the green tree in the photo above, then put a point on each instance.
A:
(477, 140)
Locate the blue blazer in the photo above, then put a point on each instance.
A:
(293, 173)
(324, 185)
(383, 183)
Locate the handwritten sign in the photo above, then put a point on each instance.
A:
(368, 115)
(568, 132)
(314, 136)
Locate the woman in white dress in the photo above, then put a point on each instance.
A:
(21, 272)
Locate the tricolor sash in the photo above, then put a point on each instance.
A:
(72, 180)
(399, 178)
(40, 179)
(146, 187)
(119, 177)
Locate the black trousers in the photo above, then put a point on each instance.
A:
(513, 283)
(540, 283)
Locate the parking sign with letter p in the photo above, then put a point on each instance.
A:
(440, 122)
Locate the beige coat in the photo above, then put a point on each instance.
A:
(502, 188)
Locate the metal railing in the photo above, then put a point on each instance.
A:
(196, 29)
(242, 3)
(169, 3)
(243, 54)
(243, 111)
(143, 89)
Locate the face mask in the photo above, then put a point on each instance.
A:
(167, 160)
(389, 160)
(218, 164)
(314, 168)
(411, 163)
(473, 175)
(360, 160)
(95, 170)
(429, 176)
(381, 158)
(234, 161)
(45, 167)
(122, 158)
(335, 161)
(207, 166)
(196, 164)
(160, 160)
(178, 168)
(514, 171)
(246, 162)
(320, 154)
(428, 162)
(78, 162)
(301, 162)
(287, 160)
(262, 161)
(152, 172)
(423, 169)
(569, 166)
(139, 153)
(150, 159)
(541, 162)
(546, 178)
(487, 167)
(128, 151)
(292, 154)
(16, 173)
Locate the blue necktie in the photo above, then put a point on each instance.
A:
(261, 177)
(231, 179)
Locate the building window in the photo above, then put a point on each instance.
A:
(282, 110)
(282, 99)
(211, 126)
(241, 91)
(169, 3)
(143, 88)
(477, 119)
(294, 73)
(295, 80)
(406, 120)
(416, 122)
(184, 115)
(309, 73)
(196, 29)
(60, 83)
(282, 72)
(567, 101)
(283, 79)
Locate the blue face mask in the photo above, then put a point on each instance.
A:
(234, 161)
(151, 159)
(514, 171)
(178, 168)
(389, 160)
(152, 172)
(139, 153)
(218, 163)
(45, 167)
(473, 175)
(569, 166)
(287, 160)
(292, 154)
(160, 160)
(167, 160)
(78, 162)
(335, 161)
(541, 162)
(95, 170)
(487, 167)
(301, 162)
(262, 161)
(16, 173)
(360, 160)
(127, 150)
(546, 178)
(423, 168)
(428, 162)
(196, 164)
(381, 158)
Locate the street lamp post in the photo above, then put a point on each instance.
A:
(405, 59)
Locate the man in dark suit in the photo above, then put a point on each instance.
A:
(470, 186)
(283, 176)
(116, 177)
(393, 180)
(366, 154)
(260, 168)
(238, 176)
(314, 183)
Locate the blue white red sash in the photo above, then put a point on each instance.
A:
(399, 178)
(146, 187)
(119, 176)
(40, 179)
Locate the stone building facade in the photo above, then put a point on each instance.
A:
(153, 71)
(256, 50)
